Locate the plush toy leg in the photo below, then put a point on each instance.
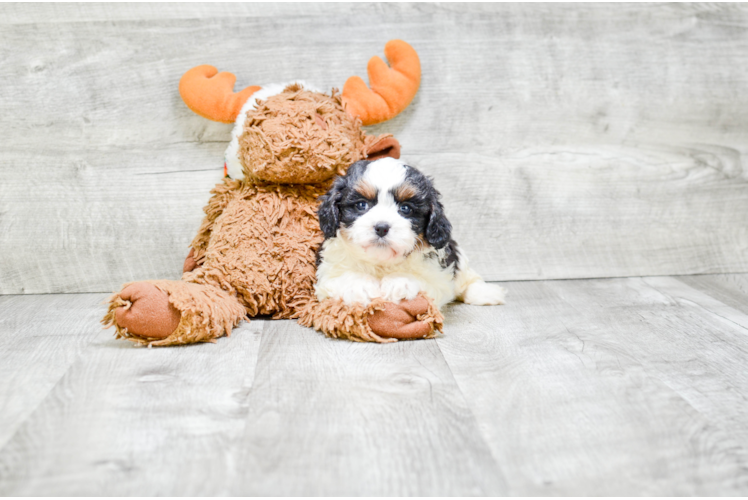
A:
(380, 321)
(160, 313)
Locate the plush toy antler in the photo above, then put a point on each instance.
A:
(211, 94)
(392, 89)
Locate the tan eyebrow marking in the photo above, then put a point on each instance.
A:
(404, 192)
(366, 190)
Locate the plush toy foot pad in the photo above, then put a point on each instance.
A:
(400, 321)
(150, 314)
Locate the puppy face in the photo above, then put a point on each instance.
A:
(385, 208)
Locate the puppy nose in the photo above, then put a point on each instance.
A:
(382, 229)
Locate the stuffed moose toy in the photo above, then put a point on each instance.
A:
(255, 251)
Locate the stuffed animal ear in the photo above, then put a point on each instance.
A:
(438, 229)
(384, 146)
(329, 211)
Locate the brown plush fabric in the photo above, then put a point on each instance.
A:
(222, 193)
(354, 322)
(284, 142)
(338, 320)
(189, 262)
(263, 248)
(205, 313)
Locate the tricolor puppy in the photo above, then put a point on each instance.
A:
(386, 236)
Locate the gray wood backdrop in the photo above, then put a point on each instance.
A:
(569, 141)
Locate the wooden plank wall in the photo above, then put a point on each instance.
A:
(569, 141)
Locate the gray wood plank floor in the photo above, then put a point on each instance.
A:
(620, 386)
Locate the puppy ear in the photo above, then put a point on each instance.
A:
(438, 229)
(329, 212)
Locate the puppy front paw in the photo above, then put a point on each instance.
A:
(396, 288)
(351, 288)
(360, 290)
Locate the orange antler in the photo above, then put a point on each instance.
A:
(392, 89)
(211, 94)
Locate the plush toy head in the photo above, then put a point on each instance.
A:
(300, 136)
(295, 134)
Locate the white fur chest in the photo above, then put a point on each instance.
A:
(347, 272)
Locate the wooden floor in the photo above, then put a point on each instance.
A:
(622, 386)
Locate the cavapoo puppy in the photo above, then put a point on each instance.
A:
(386, 236)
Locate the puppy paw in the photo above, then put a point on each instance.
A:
(481, 293)
(351, 288)
(360, 290)
(396, 288)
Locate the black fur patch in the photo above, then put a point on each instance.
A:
(428, 219)
(450, 256)
(339, 203)
(447, 257)
(340, 199)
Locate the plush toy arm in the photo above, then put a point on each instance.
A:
(222, 194)
(380, 321)
(163, 312)
(190, 264)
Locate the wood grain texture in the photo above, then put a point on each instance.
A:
(125, 420)
(731, 289)
(337, 418)
(40, 338)
(590, 140)
(90, 224)
(24, 13)
(607, 387)
(586, 212)
(275, 409)
(580, 387)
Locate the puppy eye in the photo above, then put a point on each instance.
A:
(361, 206)
(406, 209)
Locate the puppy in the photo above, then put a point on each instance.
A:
(386, 236)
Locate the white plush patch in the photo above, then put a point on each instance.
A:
(231, 156)
(480, 293)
